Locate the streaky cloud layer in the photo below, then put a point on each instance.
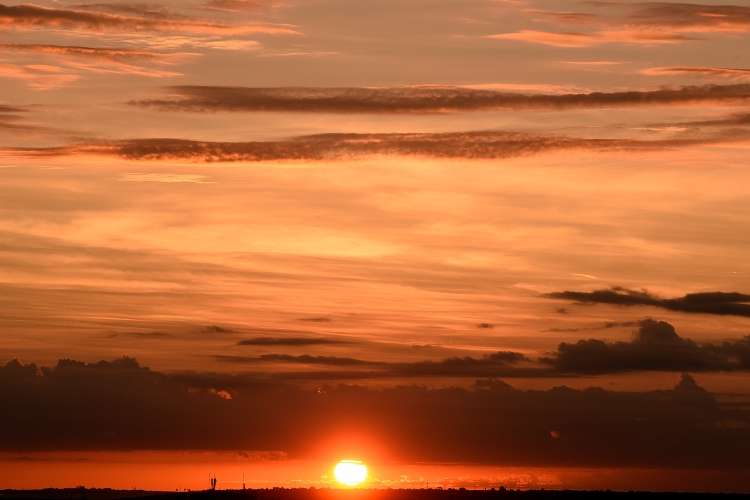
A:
(425, 99)
(28, 16)
(468, 145)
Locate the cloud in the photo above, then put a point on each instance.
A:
(567, 17)
(143, 335)
(735, 119)
(216, 330)
(497, 364)
(313, 54)
(103, 18)
(39, 76)
(288, 341)
(423, 99)
(705, 71)
(4, 108)
(115, 53)
(719, 303)
(66, 262)
(316, 319)
(592, 39)
(304, 359)
(594, 63)
(645, 23)
(165, 178)
(14, 120)
(239, 5)
(229, 44)
(92, 406)
(548, 38)
(691, 17)
(67, 64)
(468, 145)
(656, 347)
(605, 326)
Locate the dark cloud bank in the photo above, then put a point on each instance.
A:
(422, 99)
(121, 405)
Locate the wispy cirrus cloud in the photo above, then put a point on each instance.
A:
(109, 53)
(165, 178)
(642, 23)
(742, 74)
(39, 76)
(19, 121)
(735, 119)
(590, 39)
(301, 53)
(690, 17)
(239, 5)
(594, 63)
(13, 119)
(100, 18)
(72, 62)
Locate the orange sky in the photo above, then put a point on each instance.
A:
(257, 196)
(190, 470)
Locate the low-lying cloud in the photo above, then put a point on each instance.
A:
(655, 346)
(742, 74)
(497, 364)
(289, 341)
(80, 406)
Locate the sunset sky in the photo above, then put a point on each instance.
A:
(469, 242)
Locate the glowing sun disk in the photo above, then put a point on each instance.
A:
(350, 472)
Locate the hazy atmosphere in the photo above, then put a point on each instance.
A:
(468, 242)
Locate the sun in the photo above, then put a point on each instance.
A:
(350, 473)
